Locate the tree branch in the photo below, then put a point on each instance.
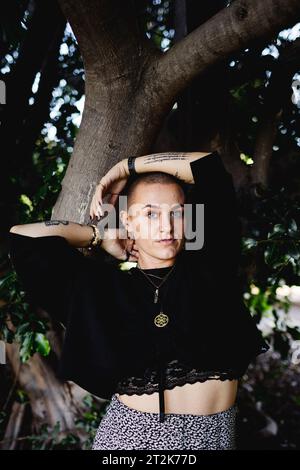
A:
(107, 32)
(233, 28)
(276, 95)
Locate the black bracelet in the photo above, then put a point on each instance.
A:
(131, 167)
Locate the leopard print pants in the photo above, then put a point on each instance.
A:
(126, 428)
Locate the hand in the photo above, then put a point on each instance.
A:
(112, 183)
(119, 247)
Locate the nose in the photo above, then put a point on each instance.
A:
(166, 226)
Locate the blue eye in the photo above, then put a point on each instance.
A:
(177, 213)
(151, 213)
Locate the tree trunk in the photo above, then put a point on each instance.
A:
(50, 401)
(13, 427)
(131, 87)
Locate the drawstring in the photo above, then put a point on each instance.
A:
(161, 393)
(161, 383)
(161, 320)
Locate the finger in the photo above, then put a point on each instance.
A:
(92, 214)
(113, 199)
(135, 250)
(94, 210)
(100, 191)
(93, 207)
(128, 245)
(129, 256)
(91, 210)
(99, 204)
(96, 207)
(99, 201)
(99, 210)
(95, 214)
(132, 250)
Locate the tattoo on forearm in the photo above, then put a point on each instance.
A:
(56, 222)
(164, 156)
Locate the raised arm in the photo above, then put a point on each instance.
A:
(213, 187)
(174, 163)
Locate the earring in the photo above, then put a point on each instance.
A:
(130, 236)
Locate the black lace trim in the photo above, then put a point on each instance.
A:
(177, 373)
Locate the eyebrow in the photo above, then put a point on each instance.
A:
(157, 205)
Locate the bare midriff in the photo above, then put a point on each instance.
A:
(200, 398)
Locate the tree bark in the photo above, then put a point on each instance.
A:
(13, 427)
(276, 95)
(230, 30)
(50, 401)
(131, 86)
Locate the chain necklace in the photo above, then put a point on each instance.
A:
(161, 319)
(156, 287)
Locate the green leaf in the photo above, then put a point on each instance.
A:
(26, 349)
(41, 344)
(292, 225)
(249, 243)
(277, 232)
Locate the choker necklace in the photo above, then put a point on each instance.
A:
(155, 275)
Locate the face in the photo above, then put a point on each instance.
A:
(155, 214)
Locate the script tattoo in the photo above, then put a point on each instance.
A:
(56, 222)
(160, 157)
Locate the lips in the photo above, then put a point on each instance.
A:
(166, 241)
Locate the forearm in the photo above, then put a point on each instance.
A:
(174, 163)
(77, 235)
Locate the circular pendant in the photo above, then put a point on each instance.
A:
(161, 319)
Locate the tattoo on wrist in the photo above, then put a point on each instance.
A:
(56, 222)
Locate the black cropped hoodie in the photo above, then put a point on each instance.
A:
(109, 312)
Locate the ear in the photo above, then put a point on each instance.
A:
(124, 218)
